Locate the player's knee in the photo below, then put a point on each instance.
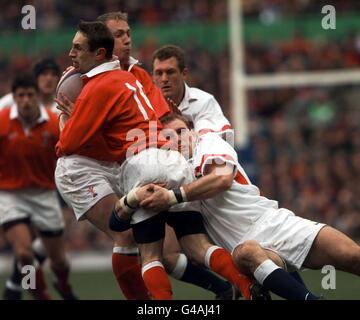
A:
(247, 253)
(25, 255)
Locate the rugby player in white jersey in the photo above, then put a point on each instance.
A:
(265, 240)
(197, 106)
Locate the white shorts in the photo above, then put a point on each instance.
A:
(82, 182)
(290, 236)
(155, 166)
(41, 206)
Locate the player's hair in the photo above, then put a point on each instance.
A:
(98, 35)
(46, 64)
(169, 51)
(116, 15)
(175, 116)
(24, 80)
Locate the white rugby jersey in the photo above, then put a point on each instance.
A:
(229, 215)
(202, 109)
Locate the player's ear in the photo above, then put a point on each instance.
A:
(185, 72)
(101, 54)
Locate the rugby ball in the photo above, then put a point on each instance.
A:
(70, 84)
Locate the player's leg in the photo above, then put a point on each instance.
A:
(18, 234)
(55, 246)
(48, 221)
(19, 237)
(181, 268)
(126, 267)
(149, 234)
(191, 234)
(199, 249)
(332, 247)
(268, 269)
(13, 290)
(74, 179)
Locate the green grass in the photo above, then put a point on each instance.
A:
(101, 285)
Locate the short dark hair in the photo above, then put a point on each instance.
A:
(46, 64)
(116, 15)
(24, 80)
(169, 51)
(175, 116)
(98, 35)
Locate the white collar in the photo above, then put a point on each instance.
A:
(104, 67)
(132, 62)
(187, 97)
(44, 116)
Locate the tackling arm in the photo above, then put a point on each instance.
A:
(218, 178)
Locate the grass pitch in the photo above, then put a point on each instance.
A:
(102, 286)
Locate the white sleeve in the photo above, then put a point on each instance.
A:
(213, 150)
(211, 117)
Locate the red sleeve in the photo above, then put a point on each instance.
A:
(153, 93)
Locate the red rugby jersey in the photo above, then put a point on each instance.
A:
(151, 90)
(110, 119)
(28, 157)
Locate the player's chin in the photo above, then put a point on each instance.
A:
(76, 66)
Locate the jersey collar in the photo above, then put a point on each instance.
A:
(104, 67)
(132, 62)
(188, 97)
(44, 116)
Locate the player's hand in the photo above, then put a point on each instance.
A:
(64, 104)
(158, 201)
(144, 192)
(62, 120)
(68, 69)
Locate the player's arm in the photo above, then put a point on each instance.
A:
(88, 116)
(217, 178)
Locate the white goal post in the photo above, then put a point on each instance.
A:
(240, 82)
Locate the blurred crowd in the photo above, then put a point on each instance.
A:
(54, 14)
(300, 54)
(307, 151)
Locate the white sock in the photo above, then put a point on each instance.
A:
(208, 254)
(126, 250)
(180, 267)
(151, 265)
(264, 269)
